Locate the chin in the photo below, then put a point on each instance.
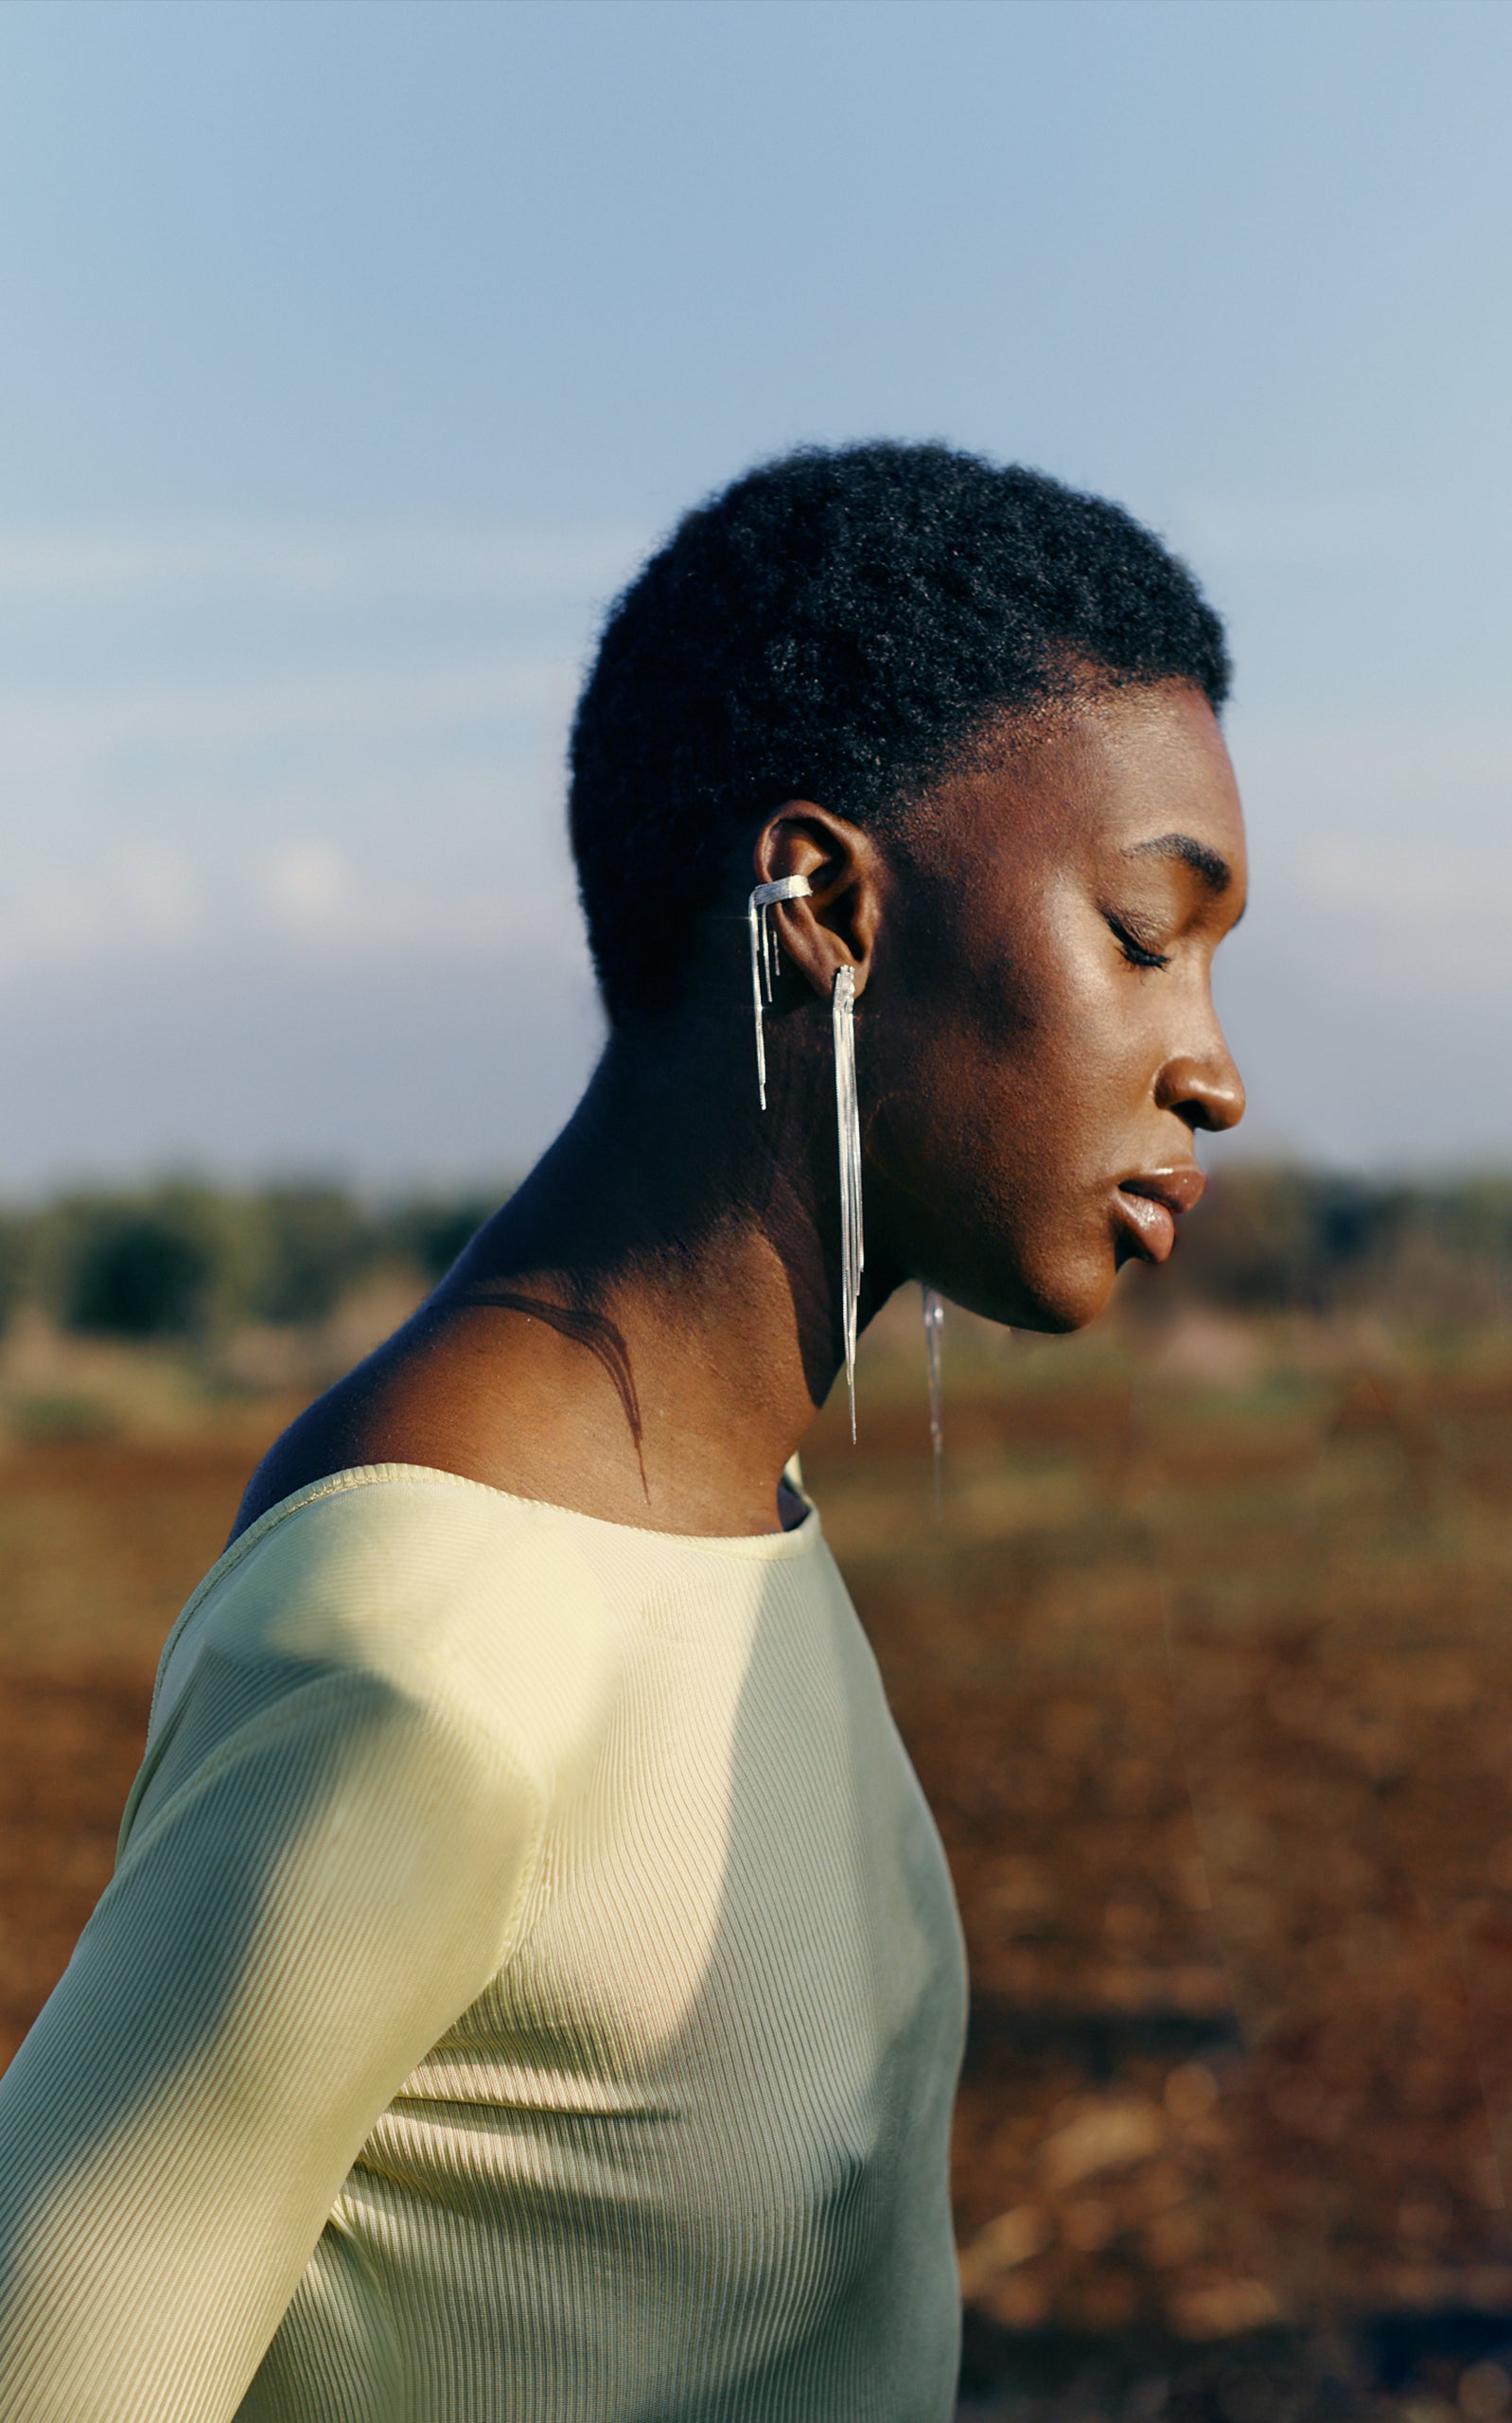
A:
(1052, 1296)
(1066, 1314)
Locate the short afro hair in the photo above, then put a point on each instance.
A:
(839, 626)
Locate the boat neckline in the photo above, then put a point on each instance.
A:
(787, 1541)
(753, 1546)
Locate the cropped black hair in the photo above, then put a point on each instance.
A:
(839, 626)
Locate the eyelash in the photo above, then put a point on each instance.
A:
(1138, 954)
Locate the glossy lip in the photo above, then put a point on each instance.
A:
(1151, 1202)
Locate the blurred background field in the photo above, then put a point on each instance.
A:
(1204, 1666)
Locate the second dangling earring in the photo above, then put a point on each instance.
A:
(847, 1126)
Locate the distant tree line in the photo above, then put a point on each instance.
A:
(183, 1260)
(186, 1260)
(1283, 1238)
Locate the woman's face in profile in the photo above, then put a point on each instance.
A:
(1052, 1047)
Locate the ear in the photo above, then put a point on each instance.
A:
(836, 925)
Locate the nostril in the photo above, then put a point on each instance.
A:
(1220, 1112)
(1208, 1093)
(1210, 1111)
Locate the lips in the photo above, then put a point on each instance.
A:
(1150, 1204)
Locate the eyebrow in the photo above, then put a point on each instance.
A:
(1211, 865)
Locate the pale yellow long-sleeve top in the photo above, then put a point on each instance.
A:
(530, 1992)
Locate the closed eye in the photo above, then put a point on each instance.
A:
(1138, 954)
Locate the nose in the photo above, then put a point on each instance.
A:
(1204, 1088)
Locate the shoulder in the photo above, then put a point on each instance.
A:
(452, 1597)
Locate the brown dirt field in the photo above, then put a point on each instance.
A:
(1211, 1690)
(101, 1542)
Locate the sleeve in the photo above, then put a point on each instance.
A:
(291, 1928)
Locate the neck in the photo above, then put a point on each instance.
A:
(676, 1259)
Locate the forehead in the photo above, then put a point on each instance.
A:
(1106, 773)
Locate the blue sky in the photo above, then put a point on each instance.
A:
(355, 352)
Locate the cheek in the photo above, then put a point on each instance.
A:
(992, 1146)
(1008, 1100)
(1066, 1083)
(981, 1105)
(1094, 1061)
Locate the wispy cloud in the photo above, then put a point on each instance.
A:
(1426, 887)
(97, 563)
(200, 698)
(50, 730)
(303, 898)
(312, 894)
(1399, 923)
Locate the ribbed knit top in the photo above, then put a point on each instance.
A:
(530, 1987)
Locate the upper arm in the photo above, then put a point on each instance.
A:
(288, 1933)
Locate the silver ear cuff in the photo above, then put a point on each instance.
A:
(763, 955)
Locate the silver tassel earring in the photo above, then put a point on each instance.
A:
(934, 1325)
(763, 955)
(848, 1121)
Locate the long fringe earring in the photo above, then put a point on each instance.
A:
(848, 1123)
(763, 955)
(934, 1325)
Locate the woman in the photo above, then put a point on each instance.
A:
(531, 1985)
